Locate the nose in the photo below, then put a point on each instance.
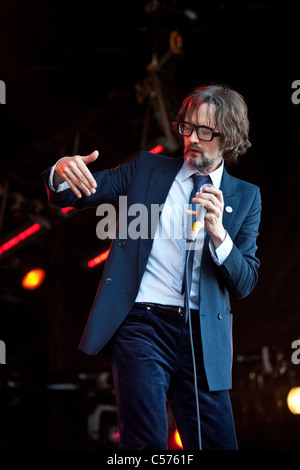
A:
(194, 136)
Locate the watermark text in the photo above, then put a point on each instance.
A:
(139, 221)
(2, 352)
(296, 354)
(2, 92)
(296, 94)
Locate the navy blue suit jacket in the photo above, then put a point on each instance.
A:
(147, 180)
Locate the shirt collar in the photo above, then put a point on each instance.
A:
(216, 175)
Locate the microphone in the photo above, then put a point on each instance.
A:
(198, 224)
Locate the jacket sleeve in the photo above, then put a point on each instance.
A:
(239, 271)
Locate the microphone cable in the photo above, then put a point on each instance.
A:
(193, 236)
(187, 294)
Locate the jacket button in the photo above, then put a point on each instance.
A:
(121, 243)
(108, 280)
(219, 316)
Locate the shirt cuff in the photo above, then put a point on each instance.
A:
(221, 253)
(56, 184)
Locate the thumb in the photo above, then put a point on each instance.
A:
(91, 157)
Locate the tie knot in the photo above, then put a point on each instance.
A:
(200, 180)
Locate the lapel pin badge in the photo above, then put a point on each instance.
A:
(228, 209)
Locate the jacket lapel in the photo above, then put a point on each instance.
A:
(161, 180)
(231, 202)
(231, 199)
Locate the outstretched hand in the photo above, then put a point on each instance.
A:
(75, 172)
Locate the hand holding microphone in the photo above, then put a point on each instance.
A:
(200, 214)
(210, 212)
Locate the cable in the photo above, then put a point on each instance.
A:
(187, 294)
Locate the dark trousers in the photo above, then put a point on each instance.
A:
(152, 363)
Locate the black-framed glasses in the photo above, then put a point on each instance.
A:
(203, 132)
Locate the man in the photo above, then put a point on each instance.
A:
(139, 307)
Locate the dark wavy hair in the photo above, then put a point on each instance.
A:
(231, 117)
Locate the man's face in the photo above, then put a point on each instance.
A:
(203, 155)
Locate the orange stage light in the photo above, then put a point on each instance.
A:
(33, 279)
(177, 439)
(293, 400)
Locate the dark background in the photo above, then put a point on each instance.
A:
(78, 78)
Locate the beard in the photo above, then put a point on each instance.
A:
(197, 158)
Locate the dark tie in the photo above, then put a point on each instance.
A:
(199, 181)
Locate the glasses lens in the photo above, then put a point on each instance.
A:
(185, 129)
(205, 133)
